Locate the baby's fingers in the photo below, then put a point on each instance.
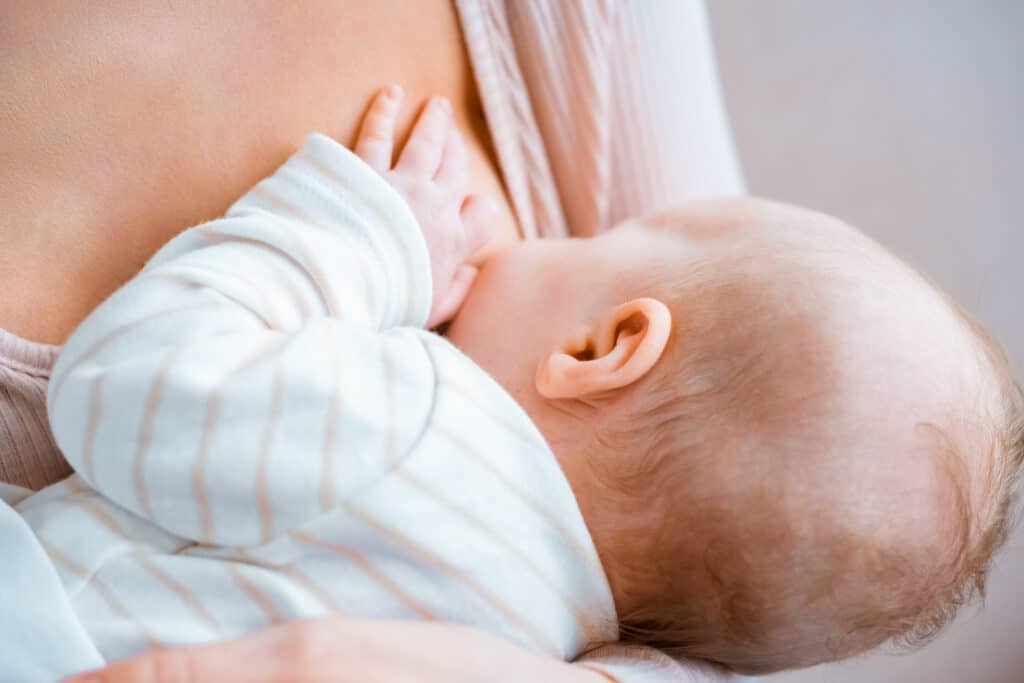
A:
(421, 155)
(454, 170)
(377, 134)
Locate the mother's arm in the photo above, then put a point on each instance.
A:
(342, 650)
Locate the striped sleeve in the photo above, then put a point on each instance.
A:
(263, 367)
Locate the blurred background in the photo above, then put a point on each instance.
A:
(904, 118)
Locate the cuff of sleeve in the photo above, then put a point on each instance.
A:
(326, 185)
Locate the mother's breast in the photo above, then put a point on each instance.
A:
(126, 126)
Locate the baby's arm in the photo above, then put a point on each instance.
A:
(268, 365)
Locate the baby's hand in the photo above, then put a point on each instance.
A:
(431, 174)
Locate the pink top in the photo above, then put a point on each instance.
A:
(599, 111)
(28, 455)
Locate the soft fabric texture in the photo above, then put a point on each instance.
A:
(28, 454)
(265, 388)
(601, 110)
(41, 638)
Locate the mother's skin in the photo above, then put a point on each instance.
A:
(125, 122)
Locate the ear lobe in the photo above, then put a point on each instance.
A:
(616, 351)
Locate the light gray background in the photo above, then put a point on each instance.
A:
(906, 118)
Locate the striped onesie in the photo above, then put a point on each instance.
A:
(261, 429)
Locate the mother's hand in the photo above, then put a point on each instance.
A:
(342, 650)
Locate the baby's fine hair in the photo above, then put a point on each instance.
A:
(725, 387)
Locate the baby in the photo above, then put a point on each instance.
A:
(736, 430)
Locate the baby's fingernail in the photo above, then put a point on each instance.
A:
(393, 91)
(443, 103)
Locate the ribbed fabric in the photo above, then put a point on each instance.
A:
(600, 110)
(510, 118)
(28, 455)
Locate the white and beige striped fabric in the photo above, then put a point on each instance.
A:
(261, 429)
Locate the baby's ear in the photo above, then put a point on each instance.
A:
(615, 351)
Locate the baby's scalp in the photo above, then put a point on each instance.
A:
(830, 443)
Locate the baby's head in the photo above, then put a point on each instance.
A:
(788, 446)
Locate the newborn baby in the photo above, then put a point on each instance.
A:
(737, 430)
